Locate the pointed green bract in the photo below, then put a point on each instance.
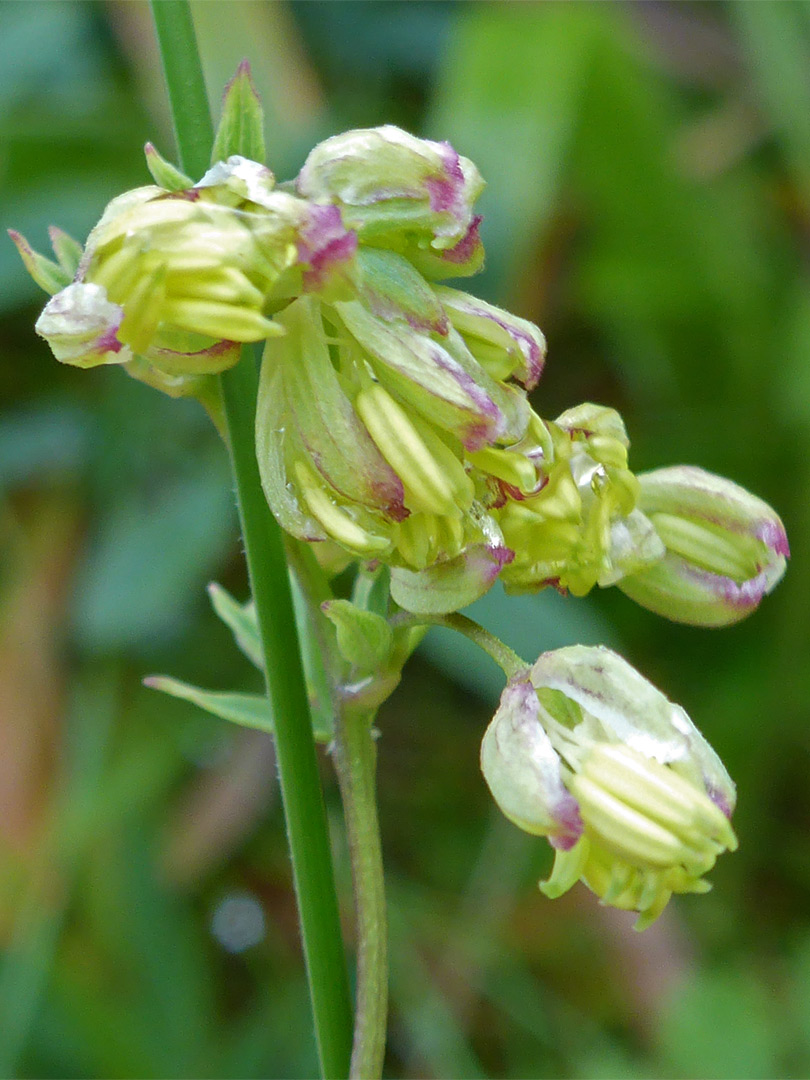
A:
(68, 251)
(49, 275)
(241, 126)
(165, 174)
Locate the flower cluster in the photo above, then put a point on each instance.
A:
(393, 421)
(393, 416)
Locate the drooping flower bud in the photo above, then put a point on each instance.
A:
(636, 803)
(411, 195)
(181, 278)
(725, 548)
(576, 524)
(344, 454)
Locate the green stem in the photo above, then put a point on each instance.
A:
(191, 116)
(355, 761)
(297, 763)
(507, 659)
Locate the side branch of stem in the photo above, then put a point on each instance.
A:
(506, 659)
(355, 762)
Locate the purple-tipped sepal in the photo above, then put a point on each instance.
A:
(81, 326)
(524, 771)
(725, 548)
(396, 189)
(507, 347)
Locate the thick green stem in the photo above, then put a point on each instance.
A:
(507, 659)
(297, 763)
(355, 761)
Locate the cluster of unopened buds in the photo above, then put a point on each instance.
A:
(394, 427)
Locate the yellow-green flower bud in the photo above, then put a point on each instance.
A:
(343, 457)
(400, 192)
(180, 278)
(636, 803)
(725, 548)
(577, 525)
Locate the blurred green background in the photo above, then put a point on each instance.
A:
(649, 206)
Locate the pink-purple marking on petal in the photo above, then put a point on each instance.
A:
(744, 596)
(529, 349)
(445, 191)
(773, 536)
(569, 819)
(719, 800)
(108, 341)
(323, 244)
(520, 696)
(219, 348)
(490, 421)
(463, 251)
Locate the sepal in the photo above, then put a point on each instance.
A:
(505, 345)
(523, 770)
(449, 585)
(81, 326)
(392, 186)
(725, 548)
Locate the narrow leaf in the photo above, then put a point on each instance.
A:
(247, 710)
(241, 621)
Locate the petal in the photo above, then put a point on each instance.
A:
(81, 325)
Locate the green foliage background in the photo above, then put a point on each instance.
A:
(649, 206)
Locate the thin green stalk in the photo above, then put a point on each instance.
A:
(355, 762)
(507, 659)
(297, 763)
